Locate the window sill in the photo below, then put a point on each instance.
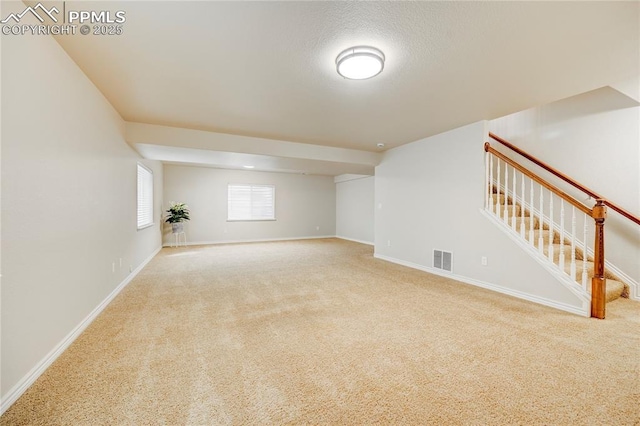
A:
(140, 228)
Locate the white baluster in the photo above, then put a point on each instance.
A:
(584, 255)
(487, 190)
(522, 205)
(541, 219)
(513, 201)
(492, 185)
(561, 234)
(506, 193)
(498, 204)
(531, 215)
(573, 243)
(551, 230)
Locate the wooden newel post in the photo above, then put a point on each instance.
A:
(598, 282)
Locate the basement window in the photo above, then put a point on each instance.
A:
(251, 202)
(145, 197)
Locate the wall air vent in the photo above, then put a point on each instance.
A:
(443, 260)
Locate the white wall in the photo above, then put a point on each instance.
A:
(429, 195)
(68, 202)
(355, 208)
(595, 139)
(303, 202)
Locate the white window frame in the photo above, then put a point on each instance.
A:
(251, 219)
(146, 198)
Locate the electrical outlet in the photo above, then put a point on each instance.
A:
(317, 228)
(121, 262)
(484, 260)
(130, 268)
(388, 243)
(113, 267)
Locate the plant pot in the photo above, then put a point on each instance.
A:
(177, 227)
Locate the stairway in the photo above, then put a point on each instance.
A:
(614, 287)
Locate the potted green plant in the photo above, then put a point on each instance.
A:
(177, 213)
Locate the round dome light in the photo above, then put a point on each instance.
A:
(360, 62)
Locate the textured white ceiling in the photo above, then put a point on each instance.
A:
(266, 69)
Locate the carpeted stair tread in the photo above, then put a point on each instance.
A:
(615, 289)
(500, 197)
(510, 209)
(557, 248)
(527, 223)
(608, 275)
(546, 235)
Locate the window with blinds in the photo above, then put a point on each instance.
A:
(251, 202)
(145, 197)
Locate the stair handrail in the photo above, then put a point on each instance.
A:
(566, 178)
(583, 208)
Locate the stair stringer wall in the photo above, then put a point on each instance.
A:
(428, 195)
(551, 267)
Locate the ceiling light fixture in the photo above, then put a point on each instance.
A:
(248, 167)
(360, 62)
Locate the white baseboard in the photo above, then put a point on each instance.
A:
(16, 391)
(369, 243)
(260, 240)
(489, 286)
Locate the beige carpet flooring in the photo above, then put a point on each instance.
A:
(319, 332)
